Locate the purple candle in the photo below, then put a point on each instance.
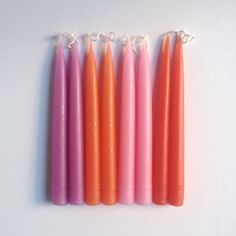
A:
(76, 149)
(59, 128)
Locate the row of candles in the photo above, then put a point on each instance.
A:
(121, 143)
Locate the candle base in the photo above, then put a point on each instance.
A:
(160, 195)
(126, 195)
(59, 201)
(92, 197)
(109, 197)
(176, 197)
(143, 196)
(77, 198)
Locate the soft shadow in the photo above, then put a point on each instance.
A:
(155, 66)
(118, 74)
(43, 162)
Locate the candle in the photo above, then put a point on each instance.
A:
(160, 125)
(92, 134)
(176, 125)
(108, 130)
(59, 129)
(76, 148)
(127, 128)
(143, 165)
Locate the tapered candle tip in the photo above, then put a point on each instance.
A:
(107, 48)
(89, 45)
(59, 40)
(59, 46)
(127, 46)
(166, 41)
(74, 44)
(167, 38)
(179, 38)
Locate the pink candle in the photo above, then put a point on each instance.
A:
(76, 148)
(59, 129)
(127, 128)
(143, 162)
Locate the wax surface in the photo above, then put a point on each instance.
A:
(143, 162)
(108, 130)
(161, 125)
(127, 128)
(76, 144)
(176, 125)
(59, 192)
(92, 130)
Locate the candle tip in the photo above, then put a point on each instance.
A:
(89, 45)
(166, 40)
(107, 48)
(167, 37)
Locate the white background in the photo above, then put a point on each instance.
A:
(26, 48)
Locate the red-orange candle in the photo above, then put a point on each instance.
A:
(160, 124)
(176, 126)
(92, 134)
(108, 130)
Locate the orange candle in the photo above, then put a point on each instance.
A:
(108, 130)
(92, 135)
(160, 125)
(176, 126)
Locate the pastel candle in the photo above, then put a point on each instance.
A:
(92, 130)
(76, 144)
(108, 130)
(161, 125)
(59, 194)
(127, 128)
(143, 162)
(176, 125)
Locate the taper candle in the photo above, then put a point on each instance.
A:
(127, 128)
(59, 194)
(108, 129)
(92, 130)
(176, 125)
(161, 125)
(143, 162)
(76, 144)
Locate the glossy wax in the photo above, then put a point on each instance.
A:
(143, 161)
(127, 128)
(76, 144)
(59, 194)
(108, 129)
(92, 130)
(161, 125)
(176, 125)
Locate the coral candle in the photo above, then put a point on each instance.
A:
(176, 125)
(161, 125)
(92, 130)
(108, 130)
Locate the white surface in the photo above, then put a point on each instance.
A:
(26, 28)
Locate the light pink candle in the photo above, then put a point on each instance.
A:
(59, 129)
(127, 128)
(143, 161)
(76, 144)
